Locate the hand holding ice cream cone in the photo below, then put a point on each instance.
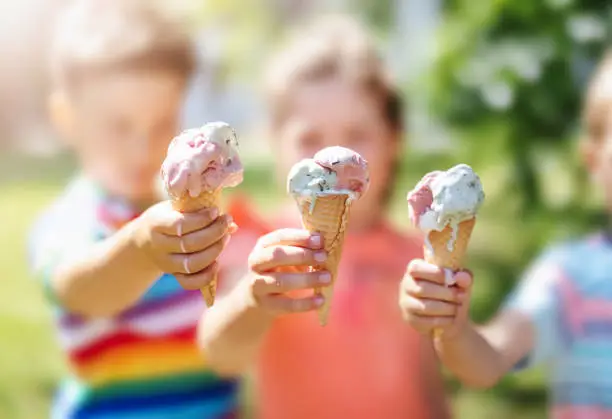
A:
(200, 163)
(324, 188)
(443, 206)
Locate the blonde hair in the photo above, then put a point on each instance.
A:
(96, 36)
(334, 46)
(598, 102)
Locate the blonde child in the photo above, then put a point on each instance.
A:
(561, 312)
(328, 87)
(129, 331)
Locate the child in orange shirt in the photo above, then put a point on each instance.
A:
(328, 88)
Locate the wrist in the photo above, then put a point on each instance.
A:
(249, 300)
(452, 338)
(137, 243)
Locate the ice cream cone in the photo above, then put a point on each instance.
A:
(209, 199)
(438, 252)
(329, 217)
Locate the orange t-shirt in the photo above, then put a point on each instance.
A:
(366, 363)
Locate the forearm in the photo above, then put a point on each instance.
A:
(472, 358)
(107, 278)
(232, 331)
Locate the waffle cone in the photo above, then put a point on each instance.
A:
(329, 217)
(208, 199)
(439, 253)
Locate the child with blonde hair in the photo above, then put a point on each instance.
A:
(100, 250)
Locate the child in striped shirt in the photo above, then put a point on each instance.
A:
(129, 331)
(561, 312)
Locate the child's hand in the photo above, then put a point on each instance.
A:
(428, 304)
(278, 265)
(186, 245)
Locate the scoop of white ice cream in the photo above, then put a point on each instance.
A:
(308, 178)
(457, 196)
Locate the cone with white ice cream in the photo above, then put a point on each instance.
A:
(324, 188)
(199, 164)
(443, 206)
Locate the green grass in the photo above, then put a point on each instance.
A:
(30, 363)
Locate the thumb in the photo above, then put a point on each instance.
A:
(463, 280)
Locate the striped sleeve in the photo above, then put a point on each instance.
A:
(537, 297)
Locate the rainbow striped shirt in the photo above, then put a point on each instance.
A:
(568, 295)
(142, 363)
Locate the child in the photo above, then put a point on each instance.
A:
(560, 314)
(129, 332)
(327, 88)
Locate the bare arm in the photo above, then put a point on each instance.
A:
(106, 278)
(110, 276)
(233, 330)
(480, 356)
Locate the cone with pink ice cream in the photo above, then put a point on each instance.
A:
(199, 164)
(443, 206)
(324, 188)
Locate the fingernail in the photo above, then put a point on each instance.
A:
(320, 256)
(214, 212)
(325, 278)
(315, 240)
(318, 300)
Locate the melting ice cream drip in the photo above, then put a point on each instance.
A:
(443, 199)
(332, 171)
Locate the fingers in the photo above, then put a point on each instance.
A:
(195, 241)
(431, 308)
(196, 262)
(198, 280)
(277, 282)
(429, 290)
(265, 259)
(424, 271)
(464, 280)
(292, 237)
(174, 223)
(282, 304)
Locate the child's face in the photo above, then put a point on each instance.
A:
(334, 112)
(120, 125)
(598, 158)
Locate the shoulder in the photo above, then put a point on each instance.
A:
(585, 262)
(572, 264)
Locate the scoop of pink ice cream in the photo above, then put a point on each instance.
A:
(202, 159)
(421, 197)
(351, 169)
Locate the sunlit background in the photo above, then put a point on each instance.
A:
(494, 83)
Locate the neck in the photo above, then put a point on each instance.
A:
(363, 219)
